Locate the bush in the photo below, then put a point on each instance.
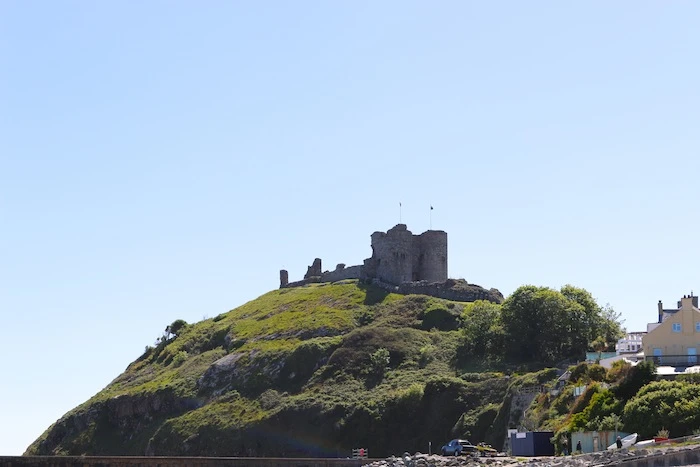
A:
(270, 399)
(426, 354)
(379, 361)
(582, 401)
(637, 377)
(596, 373)
(180, 358)
(674, 405)
(364, 316)
(693, 378)
(578, 372)
(439, 316)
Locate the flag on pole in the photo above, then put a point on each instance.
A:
(431, 208)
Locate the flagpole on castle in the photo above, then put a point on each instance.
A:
(431, 217)
(399, 212)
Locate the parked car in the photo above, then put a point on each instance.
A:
(457, 447)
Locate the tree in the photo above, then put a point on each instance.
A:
(545, 325)
(599, 345)
(541, 324)
(591, 310)
(482, 330)
(174, 328)
(636, 378)
(610, 325)
(600, 321)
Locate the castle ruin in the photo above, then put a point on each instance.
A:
(398, 256)
(405, 263)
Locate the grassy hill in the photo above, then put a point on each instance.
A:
(309, 371)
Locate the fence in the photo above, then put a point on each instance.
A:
(360, 453)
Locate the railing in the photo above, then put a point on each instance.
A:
(674, 360)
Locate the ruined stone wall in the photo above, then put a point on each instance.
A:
(314, 270)
(352, 272)
(339, 274)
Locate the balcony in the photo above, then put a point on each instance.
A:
(673, 360)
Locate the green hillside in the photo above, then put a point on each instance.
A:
(316, 371)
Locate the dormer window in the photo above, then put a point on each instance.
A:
(676, 327)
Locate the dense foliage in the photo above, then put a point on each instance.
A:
(674, 405)
(538, 324)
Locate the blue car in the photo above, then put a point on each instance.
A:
(457, 447)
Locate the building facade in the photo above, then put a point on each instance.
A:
(675, 340)
(630, 344)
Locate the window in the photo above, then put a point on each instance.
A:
(676, 327)
(697, 326)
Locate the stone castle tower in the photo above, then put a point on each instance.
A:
(398, 256)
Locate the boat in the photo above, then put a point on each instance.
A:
(627, 441)
(645, 443)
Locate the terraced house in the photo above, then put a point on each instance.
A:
(674, 341)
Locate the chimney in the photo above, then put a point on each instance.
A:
(661, 311)
(687, 302)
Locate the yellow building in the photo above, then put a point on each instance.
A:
(675, 340)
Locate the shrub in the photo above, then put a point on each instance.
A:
(426, 354)
(364, 316)
(180, 358)
(582, 401)
(379, 361)
(671, 404)
(693, 378)
(438, 316)
(596, 373)
(578, 372)
(637, 377)
(270, 399)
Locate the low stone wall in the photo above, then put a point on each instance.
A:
(457, 290)
(116, 461)
(352, 272)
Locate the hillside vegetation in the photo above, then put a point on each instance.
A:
(320, 369)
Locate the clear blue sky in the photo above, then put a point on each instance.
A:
(164, 159)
